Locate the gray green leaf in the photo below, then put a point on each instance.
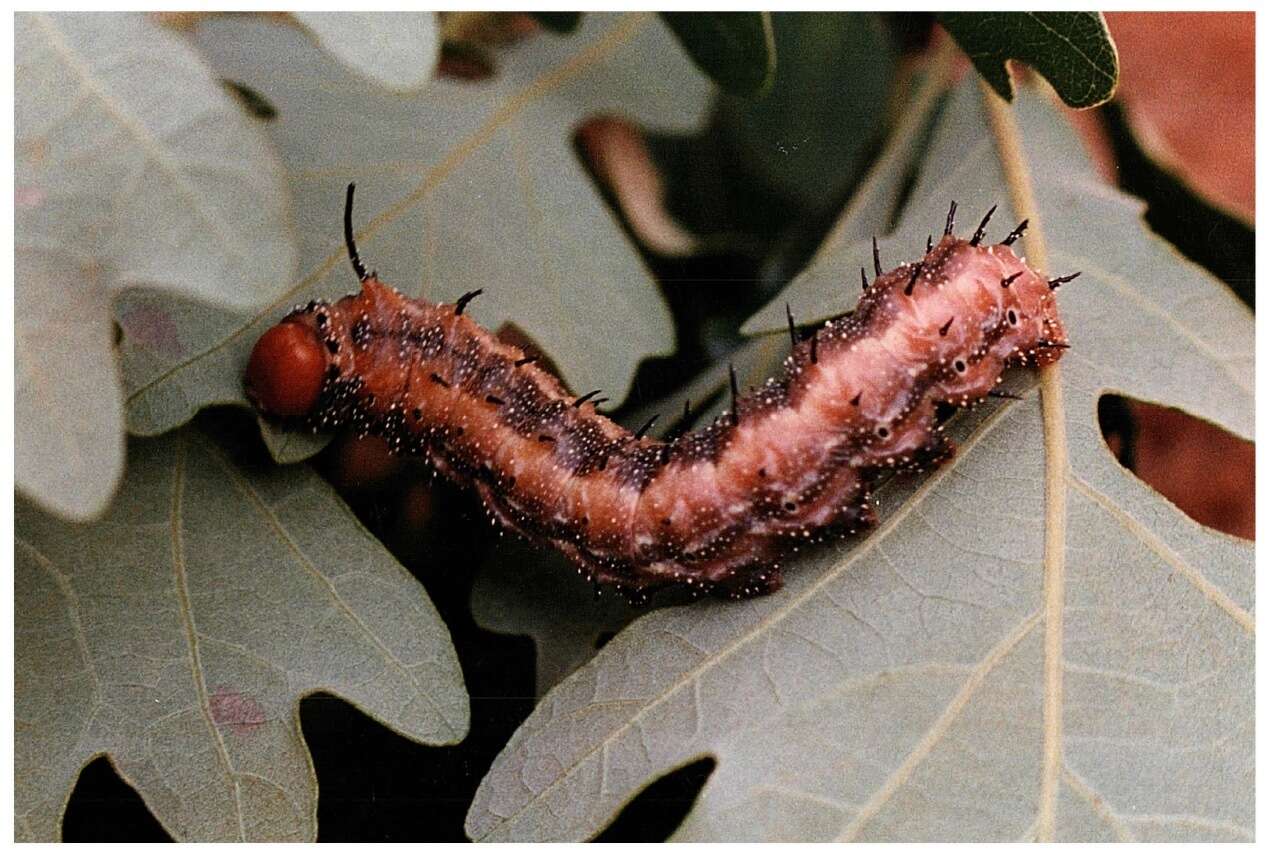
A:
(68, 415)
(1073, 50)
(134, 168)
(177, 635)
(397, 50)
(917, 683)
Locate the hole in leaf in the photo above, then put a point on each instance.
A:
(658, 810)
(1202, 469)
(1118, 426)
(103, 808)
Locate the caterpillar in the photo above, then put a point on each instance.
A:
(712, 511)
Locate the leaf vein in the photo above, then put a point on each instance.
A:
(1208, 588)
(266, 513)
(937, 731)
(192, 636)
(145, 139)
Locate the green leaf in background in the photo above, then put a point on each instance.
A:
(134, 168)
(397, 50)
(919, 683)
(178, 634)
(460, 186)
(1073, 50)
(805, 138)
(735, 49)
(559, 22)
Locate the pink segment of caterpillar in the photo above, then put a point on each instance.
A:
(712, 511)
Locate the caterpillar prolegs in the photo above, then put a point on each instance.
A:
(711, 511)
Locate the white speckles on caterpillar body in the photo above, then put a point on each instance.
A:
(713, 511)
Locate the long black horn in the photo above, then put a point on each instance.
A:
(358, 266)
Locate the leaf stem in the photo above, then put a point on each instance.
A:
(1056, 471)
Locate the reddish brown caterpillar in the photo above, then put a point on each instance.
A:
(713, 510)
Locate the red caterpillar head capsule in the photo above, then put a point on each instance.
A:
(285, 371)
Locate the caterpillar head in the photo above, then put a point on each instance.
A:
(285, 372)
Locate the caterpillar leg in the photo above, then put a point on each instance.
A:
(936, 453)
(749, 582)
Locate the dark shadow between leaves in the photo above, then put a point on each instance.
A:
(1202, 469)
(655, 813)
(465, 63)
(375, 785)
(103, 808)
(256, 104)
(1213, 238)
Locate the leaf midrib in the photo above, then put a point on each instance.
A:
(186, 611)
(1056, 471)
